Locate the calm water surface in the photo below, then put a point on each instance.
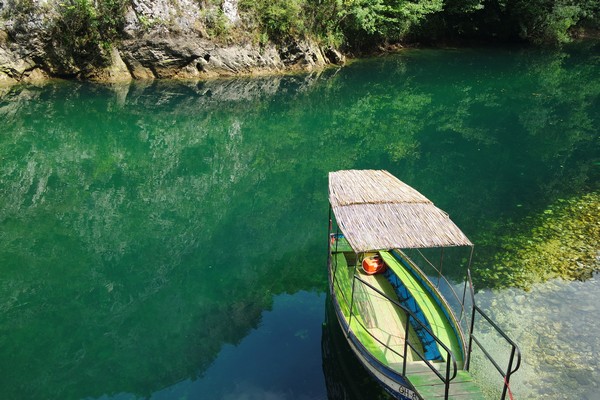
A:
(167, 240)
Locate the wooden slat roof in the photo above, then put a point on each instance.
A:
(377, 211)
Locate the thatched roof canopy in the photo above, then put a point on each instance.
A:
(377, 211)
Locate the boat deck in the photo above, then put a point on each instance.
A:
(437, 320)
(430, 387)
(381, 326)
(378, 323)
(384, 320)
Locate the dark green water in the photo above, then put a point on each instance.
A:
(167, 240)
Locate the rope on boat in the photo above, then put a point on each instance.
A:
(510, 395)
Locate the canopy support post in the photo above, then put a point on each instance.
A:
(441, 266)
(462, 308)
(467, 364)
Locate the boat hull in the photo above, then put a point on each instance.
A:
(391, 380)
(345, 376)
(376, 332)
(395, 384)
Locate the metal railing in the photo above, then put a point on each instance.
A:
(451, 365)
(515, 352)
(440, 277)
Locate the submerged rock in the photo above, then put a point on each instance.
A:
(563, 243)
(558, 340)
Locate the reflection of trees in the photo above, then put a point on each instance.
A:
(145, 226)
(133, 243)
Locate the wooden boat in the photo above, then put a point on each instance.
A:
(395, 319)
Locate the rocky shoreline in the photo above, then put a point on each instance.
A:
(179, 49)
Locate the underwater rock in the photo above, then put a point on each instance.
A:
(559, 343)
(563, 242)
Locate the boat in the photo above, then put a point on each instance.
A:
(404, 319)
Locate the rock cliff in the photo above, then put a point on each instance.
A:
(157, 39)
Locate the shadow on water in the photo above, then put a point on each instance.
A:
(345, 377)
(146, 226)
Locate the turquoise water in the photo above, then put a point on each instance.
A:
(167, 240)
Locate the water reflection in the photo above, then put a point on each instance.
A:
(265, 364)
(134, 244)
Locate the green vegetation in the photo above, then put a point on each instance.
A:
(85, 29)
(352, 23)
(385, 20)
(278, 20)
(363, 24)
(533, 21)
(543, 21)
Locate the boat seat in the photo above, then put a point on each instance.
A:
(437, 319)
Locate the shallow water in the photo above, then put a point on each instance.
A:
(167, 240)
(556, 325)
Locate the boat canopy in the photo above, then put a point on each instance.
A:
(376, 211)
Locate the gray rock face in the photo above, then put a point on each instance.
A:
(22, 43)
(190, 57)
(162, 39)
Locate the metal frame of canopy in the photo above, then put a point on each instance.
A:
(376, 211)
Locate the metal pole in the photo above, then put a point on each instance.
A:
(447, 382)
(467, 281)
(441, 266)
(471, 257)
(508, 373)
(351, 306)
(472, 325)
(336, 255)
(329, 243)
(406, 344)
